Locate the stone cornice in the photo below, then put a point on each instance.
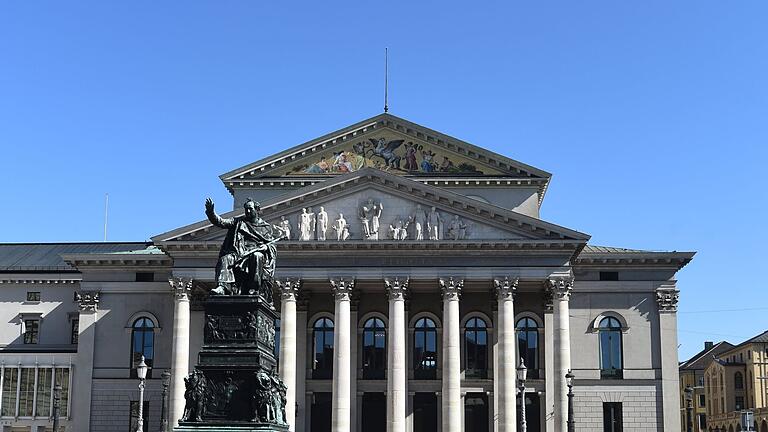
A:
(80, 261)
(676, 260)
(36, 280)
(435, 181)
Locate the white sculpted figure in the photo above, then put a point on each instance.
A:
(321, 224)
(370, 213)
(285, 225)
(435, 225)
(341, 228)
(419, 219)
(306, 220)
(457, 229)
(399, 229)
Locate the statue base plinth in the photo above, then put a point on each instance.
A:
(229, 427)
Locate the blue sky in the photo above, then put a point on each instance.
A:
(651, 115)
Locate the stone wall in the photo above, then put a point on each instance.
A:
(641, 407)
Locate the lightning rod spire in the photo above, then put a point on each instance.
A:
(386, 79)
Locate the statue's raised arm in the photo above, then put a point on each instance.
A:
(216, 219)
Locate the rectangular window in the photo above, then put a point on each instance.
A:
(62, 379)
(702, 400)
(702, 422)
(9, 392)
(609, 276)
(26, 392)
(135, 416)
(43, 404)
(33, 296)
(145, 277)
(612, 421)
(31, 331)
(739, 403)
(75, 332)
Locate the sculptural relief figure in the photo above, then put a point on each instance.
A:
(398, 229)
(194, 395)
(435, 225)
(419, 219)
(278, 393)
(370, 215)
(248, 253)
(306, 222)
(457, 229)
(212, 332)
(341, 228)
(321, 224)
(285, 225)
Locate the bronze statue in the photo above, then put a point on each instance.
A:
(194, 395)
(247, 257)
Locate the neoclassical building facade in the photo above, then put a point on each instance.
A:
(417, 277)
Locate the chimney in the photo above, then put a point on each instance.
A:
(708, 345)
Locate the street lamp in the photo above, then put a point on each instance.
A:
(141, 372)
(166, 376)
(522, 372)
(688, 408)
(56, 405)
(569, 382)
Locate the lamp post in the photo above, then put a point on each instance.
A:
(688, 408)
(56, 405)
(166, 376)
(141, 372)
(569, 381)
(522, 372)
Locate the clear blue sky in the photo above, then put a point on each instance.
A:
(652, 115)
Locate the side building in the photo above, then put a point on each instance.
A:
(692, 378)
(450, 279)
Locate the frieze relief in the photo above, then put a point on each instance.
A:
(374, 216)
(248, 328)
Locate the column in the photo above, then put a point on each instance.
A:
(549, 363)
(88, 303)
(561, 293)
(667, 297)
(289, 289)
(341, 409)
(180, 288)
(451, 392)
(506, 415)
(396, 346)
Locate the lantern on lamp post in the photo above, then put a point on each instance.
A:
(522, 373)
(569, 381)
(141, 372)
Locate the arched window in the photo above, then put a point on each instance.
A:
(528, 345)
(738, 380)
(374, 349)
(476, 348)
(142, 344)
(425, 349)
(322, 356)
(610, 348)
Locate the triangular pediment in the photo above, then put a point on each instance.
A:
(390, 144)
(461, 219)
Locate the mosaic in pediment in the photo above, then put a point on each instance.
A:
(396, 156)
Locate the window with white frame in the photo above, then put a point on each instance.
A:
(28, 391)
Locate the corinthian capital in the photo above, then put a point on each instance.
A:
(87, 301)
(667, 299)
(451, 288)
(181, 287)
(342, 289)
(396, 289)
(505, 288)
(289, 288)
(560, 287)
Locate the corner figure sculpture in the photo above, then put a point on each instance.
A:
(247, 256)
(194, 394)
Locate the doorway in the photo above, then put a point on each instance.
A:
(321, 412)
(424, 412)
(476, 412)
(374, 418)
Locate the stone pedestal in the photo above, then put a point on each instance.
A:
(235, 380)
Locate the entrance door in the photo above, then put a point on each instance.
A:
(476, 412)
(424, 412)
(321, 412)
(374, 417)
(533, 412)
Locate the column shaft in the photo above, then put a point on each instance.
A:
(83, 374)
(507, 414)
(667, 297)
(180, 354)
(396, 349)
(288, 291)
(451, 407)
(341, 409)
(561, 290)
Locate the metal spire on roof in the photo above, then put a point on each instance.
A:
(386, 79)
